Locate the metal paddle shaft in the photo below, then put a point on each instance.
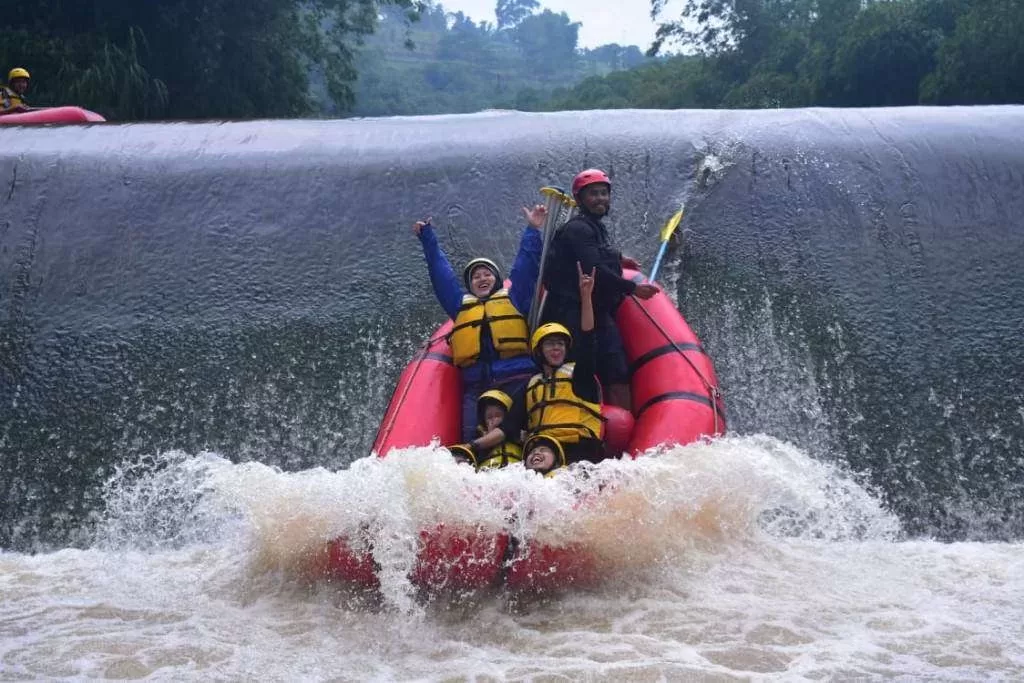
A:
(555, 201)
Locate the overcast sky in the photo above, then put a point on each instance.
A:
(626, 22)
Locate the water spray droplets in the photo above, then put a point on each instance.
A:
(677, 506)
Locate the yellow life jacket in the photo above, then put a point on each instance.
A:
(553, 409)
(506, 454)
(509, 332)
(10, 99)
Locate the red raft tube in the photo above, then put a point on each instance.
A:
(52, 115)
(676, 401)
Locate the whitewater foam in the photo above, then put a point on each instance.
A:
(742, 557)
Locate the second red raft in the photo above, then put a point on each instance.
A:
(51, 115)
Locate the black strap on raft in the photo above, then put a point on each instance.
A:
(426, 354)
(714, 393)
(483, 321)
(681, 396)
(546, 382)
(514, 339)
(545, 402)
(658, 352)
(509, 557)
(569, 425)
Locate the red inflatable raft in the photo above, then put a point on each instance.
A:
(52, 115)
(676, 401)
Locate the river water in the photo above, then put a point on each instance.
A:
(736, 560)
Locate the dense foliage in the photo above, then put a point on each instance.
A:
(286, 58)
(850, 53)
(131, 59)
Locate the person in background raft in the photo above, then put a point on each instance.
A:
(563, 401)
(584, 240)
(491, 410)
(490, 339)
(12, 95)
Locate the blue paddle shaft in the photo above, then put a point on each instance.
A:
(657, 261)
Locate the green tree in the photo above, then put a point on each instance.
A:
(882, 58)
(766, 90)
(190, 58)
(615, 57)
(983, 61)
(548, 41)
(851, 52)
(117, 77)
(745, 28)
(511, 12)
(681, 82)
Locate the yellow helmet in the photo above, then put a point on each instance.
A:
(496, 395)
(463, 453)
(17, 72)
(468, 270)
(547, 330)
(552, 443)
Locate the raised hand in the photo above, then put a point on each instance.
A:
(586, 281)
(419, 225)
(646, 291)
(536, 216)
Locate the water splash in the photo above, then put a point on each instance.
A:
(741, 557)
(666, 508)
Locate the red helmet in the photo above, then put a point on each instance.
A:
(589, 177)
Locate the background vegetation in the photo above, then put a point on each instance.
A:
(844, 53)
(290, 58)
(456, 65)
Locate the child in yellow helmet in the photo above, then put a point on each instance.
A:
(544, 455)
(492, 407)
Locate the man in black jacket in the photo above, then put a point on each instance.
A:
(584, 240)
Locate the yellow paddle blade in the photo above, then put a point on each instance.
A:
(672, 224)
(560, 194)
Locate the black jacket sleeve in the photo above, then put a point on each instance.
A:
(584, 380)
(579, 239)
(515, 419)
